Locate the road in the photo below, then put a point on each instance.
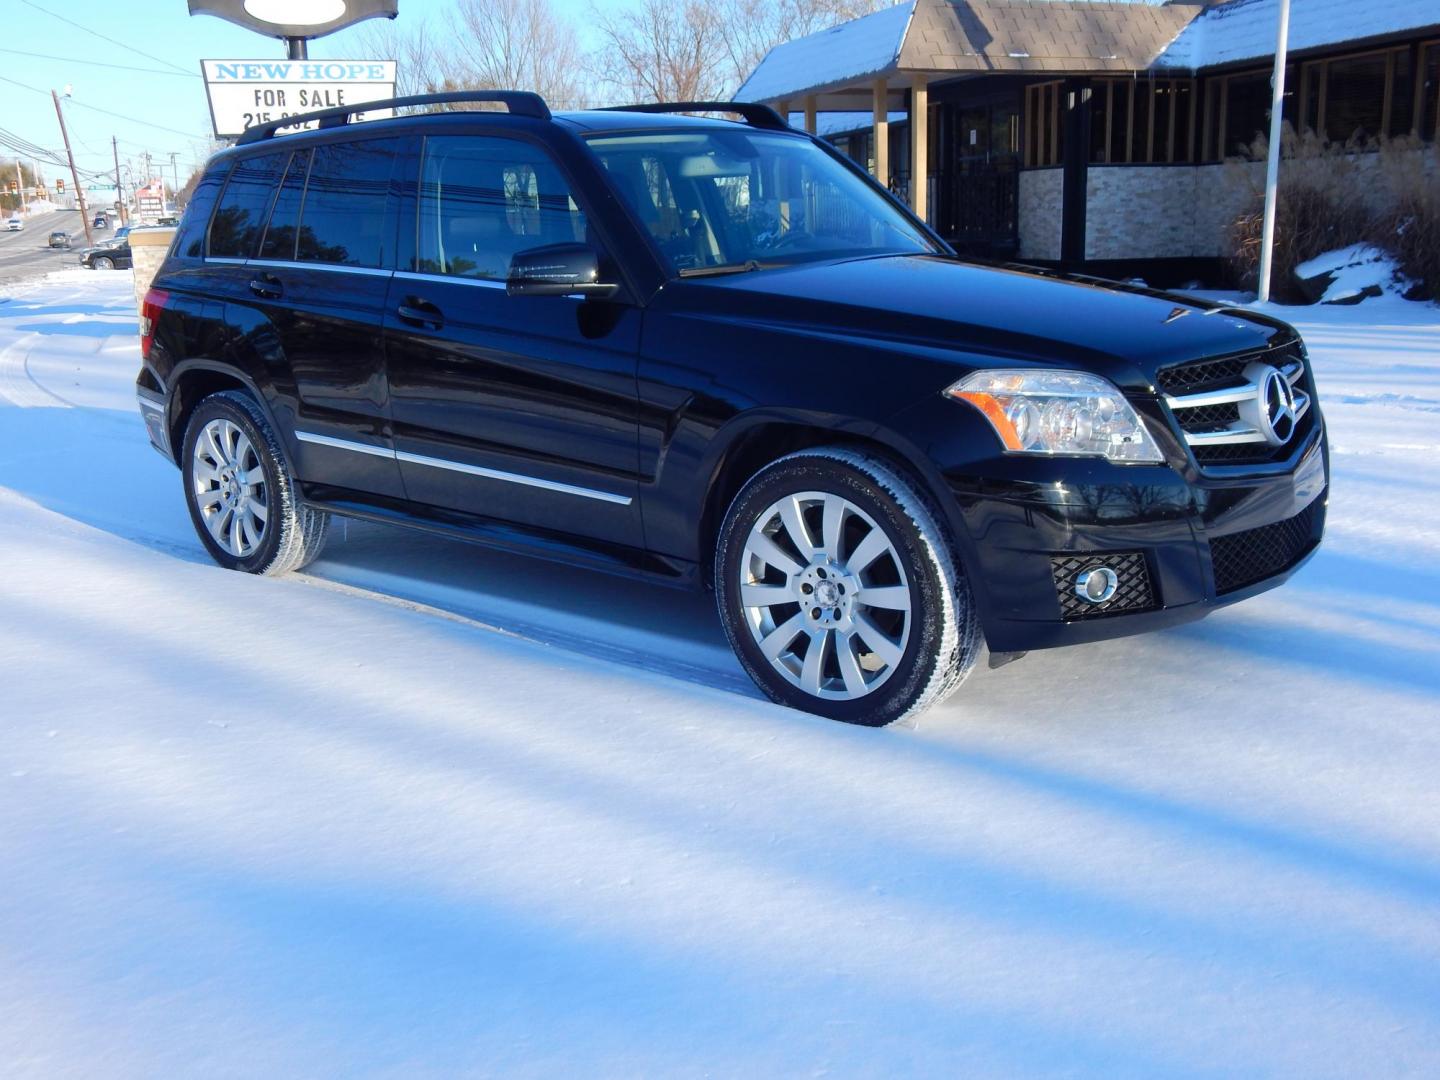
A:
(25, 254)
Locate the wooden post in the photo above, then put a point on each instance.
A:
(783, 108)
(811, 119)
(881, 126)
(919, 145)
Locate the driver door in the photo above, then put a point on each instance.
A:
(517, 408)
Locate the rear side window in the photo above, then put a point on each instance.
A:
(343, 216)
(235, 229)
(483, 199)
(279, 242)
(190, 237)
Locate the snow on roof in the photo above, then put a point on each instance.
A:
(860, 47)
(1245, 29)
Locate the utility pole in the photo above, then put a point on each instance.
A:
(1272, 164)
(74, 175)
(174, 177)
(119, 188)
(20, 180)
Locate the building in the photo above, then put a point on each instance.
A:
(1094, 133)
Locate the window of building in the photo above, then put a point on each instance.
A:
(343, 216)
(235, 229)
(1428, 92)
(279, 240)
(483, 199)
(1347, 99)
(1045, 133)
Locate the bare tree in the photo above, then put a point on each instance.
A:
(421, 66)
(515, 45)
(753, 27)
(661, 50)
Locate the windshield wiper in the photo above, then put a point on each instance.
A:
(725, 268)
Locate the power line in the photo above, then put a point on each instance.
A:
(96, 63)
(102, 37)
(107, 112)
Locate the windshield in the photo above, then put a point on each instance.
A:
(719, 200)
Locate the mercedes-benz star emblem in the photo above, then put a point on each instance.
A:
(1277, 407)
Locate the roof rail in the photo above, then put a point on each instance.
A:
(520, 103)
(754, 114)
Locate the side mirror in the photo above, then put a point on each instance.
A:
(558, 270)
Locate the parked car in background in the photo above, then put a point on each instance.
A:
(14, 225)
(113, 254)
(59, 239)
(718, 354)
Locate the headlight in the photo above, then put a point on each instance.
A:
(1058, 412)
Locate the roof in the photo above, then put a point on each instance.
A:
(865, 46)
(972, 36)
(1245, 29)
(1039, 35)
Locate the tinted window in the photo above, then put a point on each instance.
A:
(279, 242)
(725, 198)
(235, 230)
(343, 214)
(483, 199)
(190, 238)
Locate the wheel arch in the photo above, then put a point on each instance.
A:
(764, 441)
(192, 381)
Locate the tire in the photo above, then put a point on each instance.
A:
(885, 603)
(102, 263)
(250, 523)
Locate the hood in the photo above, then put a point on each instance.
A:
(983, 314)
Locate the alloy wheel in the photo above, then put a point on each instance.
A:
(228, 482)
(825, 595)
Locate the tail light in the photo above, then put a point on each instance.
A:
(155, 300)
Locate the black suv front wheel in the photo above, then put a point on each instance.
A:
(839, 591)
(241, 495)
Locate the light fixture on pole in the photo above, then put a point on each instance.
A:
(1272, 161)
(296, 22)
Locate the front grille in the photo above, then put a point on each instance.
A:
(1218, 431)
(1133, 592)
(1204, 375)
(1244, 558)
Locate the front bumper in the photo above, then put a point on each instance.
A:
(1185, 542)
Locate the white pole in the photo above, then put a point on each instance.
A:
(1272, 164)
(20, 178)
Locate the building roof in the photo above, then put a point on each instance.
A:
(972, 37)
(848, 52)
(966, 36)
(1245, 29)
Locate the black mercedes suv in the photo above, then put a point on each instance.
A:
(714, 352)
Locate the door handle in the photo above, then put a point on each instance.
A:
(266, 286)
(420, 312)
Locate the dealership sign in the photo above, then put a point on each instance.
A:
(244, 93)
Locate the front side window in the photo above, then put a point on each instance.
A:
(720, 198)
(235, 229)
(483, 199)
(343, 216)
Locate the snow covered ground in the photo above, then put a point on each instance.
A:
(432, 811)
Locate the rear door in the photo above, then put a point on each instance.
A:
(320, 276)
(516, 408)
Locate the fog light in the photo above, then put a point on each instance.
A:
(1097, 584)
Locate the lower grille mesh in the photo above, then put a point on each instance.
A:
(1244, 558)
(1132, 594)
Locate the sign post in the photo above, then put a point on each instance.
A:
(244, 93)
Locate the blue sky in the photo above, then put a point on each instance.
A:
(162, 108)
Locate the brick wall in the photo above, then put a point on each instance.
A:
(1040, 205)
(148, 247)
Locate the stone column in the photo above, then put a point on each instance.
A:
(148, 248)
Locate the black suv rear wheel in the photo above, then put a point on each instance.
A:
(839, 591)
(240, 492)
